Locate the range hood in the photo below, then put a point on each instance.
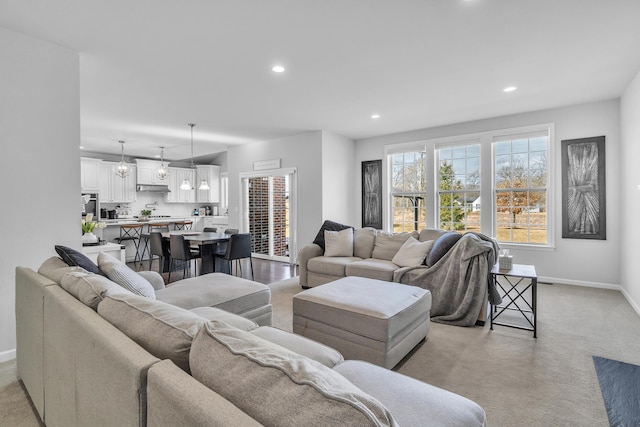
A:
(153, 188)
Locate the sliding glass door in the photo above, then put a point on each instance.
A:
(269, 213)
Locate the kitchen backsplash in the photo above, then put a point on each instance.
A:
(160, 208)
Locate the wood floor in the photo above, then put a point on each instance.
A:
(264, 271)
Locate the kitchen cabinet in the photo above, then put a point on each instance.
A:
(114, 189)
(176, 195)
(147, 172)
(89, 174)
(212, 174)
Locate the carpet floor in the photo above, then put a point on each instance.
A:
(518, 380)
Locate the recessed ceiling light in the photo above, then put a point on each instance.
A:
(509, 89)
(278, 69)
(81, 147)
(375, 116)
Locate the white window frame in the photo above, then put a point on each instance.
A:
(487, 183)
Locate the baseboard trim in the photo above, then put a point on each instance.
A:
(598, 285)
(5, 356)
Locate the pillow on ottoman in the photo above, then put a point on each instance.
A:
(270, 383)
(331, 226)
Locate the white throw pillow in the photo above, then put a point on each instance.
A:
(412, 253)
(338, 243)
(118, 271)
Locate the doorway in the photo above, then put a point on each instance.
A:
(268, 206)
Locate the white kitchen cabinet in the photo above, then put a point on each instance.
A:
(114, 189)
(147, 172)
(212, 174)
(89, 175)
(176, 195)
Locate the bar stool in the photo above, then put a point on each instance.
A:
(131, 232)
(182, 225)
(144, 237)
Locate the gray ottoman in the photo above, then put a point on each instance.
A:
(365, 319)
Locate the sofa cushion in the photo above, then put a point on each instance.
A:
(269, 382)
(363, 241)
(430, 234)
(90, 288)
(387, 244)
(338, 243)
(331, 226)
(55, 268)
(120, 273)
(412, 402)
(332, 266)
(372, 268)
(298, 344)
(212, 313)
(223, 291)
(74, 258)
(412, 253)
(162, 329)
(442, 246)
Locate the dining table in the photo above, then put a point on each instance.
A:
(208, 242)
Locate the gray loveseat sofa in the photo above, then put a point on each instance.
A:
(136, 361)
(456, 269)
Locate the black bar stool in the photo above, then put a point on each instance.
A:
(182, 225)
(131, 232)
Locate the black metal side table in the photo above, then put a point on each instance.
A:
(513, 285)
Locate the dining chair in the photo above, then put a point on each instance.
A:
(159, 247)
(231, 231)
(182, 225)
(131, 232)
(238, 248)
(180, 250)
(210, 229)
(144, 237)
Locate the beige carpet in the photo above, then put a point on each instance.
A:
(519, 380)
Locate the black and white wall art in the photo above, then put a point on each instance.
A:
(583, 189)
(372, 194)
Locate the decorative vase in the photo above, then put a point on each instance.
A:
(89, 238)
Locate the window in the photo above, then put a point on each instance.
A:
(408, 187)
(520, 165)
(459, 187)
(497, 183)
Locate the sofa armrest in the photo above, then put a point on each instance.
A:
(306, 253)
(154, 278)
(176, 398)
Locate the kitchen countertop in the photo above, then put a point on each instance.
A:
(121, 221)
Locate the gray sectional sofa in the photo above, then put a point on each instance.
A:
(456, 268)
(90, 354)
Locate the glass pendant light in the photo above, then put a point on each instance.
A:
(186, 184)
(163, 171)
(122, 169)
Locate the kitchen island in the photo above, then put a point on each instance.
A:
(112, 229)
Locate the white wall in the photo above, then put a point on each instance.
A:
(338, 172)
(630, 203)
(573, 261)
(303, 151)
(40, 135)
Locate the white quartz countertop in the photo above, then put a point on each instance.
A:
(121, 221)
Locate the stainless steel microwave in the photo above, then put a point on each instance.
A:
(90, 205)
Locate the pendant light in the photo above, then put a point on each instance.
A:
(163, 172)
(186, 184)
(122, 169)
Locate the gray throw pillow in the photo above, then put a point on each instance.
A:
(120, 273)
(442, 246)
(269, 382)
(90, 288)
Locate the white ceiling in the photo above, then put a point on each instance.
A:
(147, 68)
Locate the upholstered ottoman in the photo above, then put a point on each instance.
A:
(365, 319)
